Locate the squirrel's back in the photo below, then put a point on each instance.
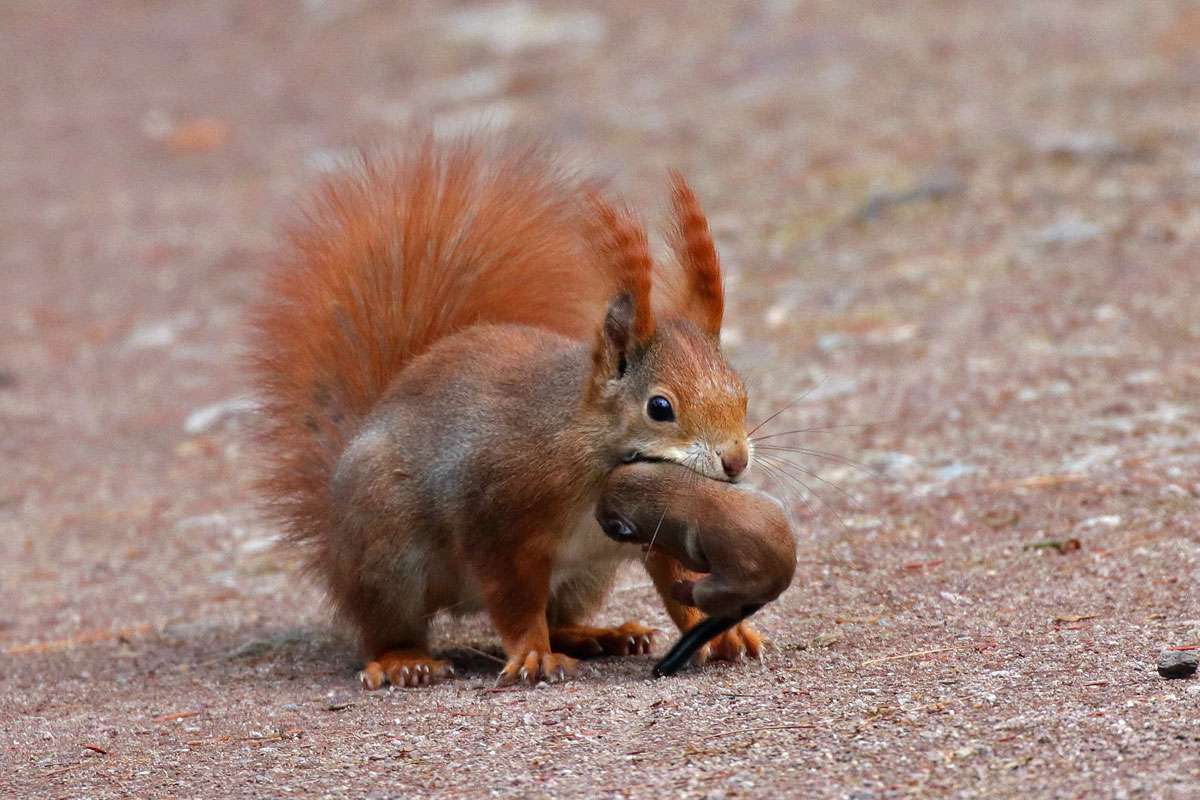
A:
(391, 257)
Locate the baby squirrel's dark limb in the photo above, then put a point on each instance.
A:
(696, 637)
(739, 538)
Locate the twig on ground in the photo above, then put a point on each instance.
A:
(209, 740)
(278, 736)
(483, 653)
(914, 654)
(83, 637)
(52, 773)
(794, 726)
(1061, 545)
(936, 187)
(1105, 552)
(1038, 482)
(177, 715)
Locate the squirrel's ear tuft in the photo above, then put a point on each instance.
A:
(621, 241)
(704, 302)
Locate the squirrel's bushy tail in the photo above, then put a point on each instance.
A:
(391, 257)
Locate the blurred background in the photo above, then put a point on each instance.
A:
(962, 234)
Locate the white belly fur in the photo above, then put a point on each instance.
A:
(583, 547)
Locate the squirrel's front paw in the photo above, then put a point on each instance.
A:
(739, 642)
(537, 666)
(404, 668)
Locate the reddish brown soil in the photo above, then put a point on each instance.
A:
(972, 227)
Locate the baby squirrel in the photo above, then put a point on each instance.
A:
(454, 351)
(740, 539)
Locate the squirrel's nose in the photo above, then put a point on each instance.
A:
(734, 460)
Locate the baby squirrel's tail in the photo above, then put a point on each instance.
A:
(389, 259)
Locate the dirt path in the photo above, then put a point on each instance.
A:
(973, 229)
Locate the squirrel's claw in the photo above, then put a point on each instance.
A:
(736, 644)
(405, 670)
(629, 639)
(537, 666)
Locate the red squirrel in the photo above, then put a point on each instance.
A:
(456, 347)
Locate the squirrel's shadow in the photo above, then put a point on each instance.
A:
(225, 656)
(271, 658)
(305, 652)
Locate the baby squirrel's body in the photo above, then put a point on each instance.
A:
(458, 349)
(739, 538)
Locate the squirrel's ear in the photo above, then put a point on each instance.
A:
(611, 356)
(621, 242)
(704, 303)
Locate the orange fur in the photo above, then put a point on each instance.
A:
(704, 301)
(620, 239)
(390, 258)
(586, 641)
(413, 289)
(740, 640)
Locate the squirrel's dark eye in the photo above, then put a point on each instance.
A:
(659, 409)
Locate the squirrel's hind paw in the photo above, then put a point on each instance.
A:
(537, 666)
(404, 668)
(582, 641)
(737, 643)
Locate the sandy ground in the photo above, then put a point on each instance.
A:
(966, 233)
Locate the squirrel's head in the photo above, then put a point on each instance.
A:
(674, 396)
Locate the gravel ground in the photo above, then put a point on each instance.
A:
(963, 237)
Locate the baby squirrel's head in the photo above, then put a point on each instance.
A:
(674, 396)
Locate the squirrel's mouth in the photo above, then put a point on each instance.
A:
(692, 464)
(634, 456)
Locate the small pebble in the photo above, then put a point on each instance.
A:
(1178, 663)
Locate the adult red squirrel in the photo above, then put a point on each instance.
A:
(454, 350)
